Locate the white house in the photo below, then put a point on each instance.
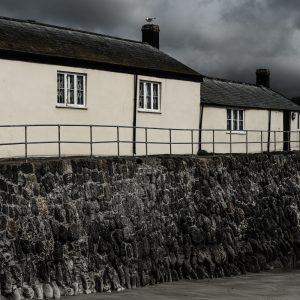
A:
(55, 75)
(124, 93)
(252, 116)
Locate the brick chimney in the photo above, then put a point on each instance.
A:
(263, 77)
(151, 34)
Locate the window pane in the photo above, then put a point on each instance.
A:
(60, 81)
(228, 114)
(79, 82)
(235, 124)
(80, 97)
(155, 96)
(241, 127)
(71, 89)
(228, 125)
(148, 95)
(141, 99)
(60, 88)
(80, 90)
(235, 115)
(155, 90)
(241, 115)
(155, 103)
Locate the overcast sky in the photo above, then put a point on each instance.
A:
(222, 38)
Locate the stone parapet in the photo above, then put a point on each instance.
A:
(94, 225)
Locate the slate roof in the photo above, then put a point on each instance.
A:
(237, 94)
(53, 44)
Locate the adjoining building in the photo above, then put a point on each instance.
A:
(243, 112)
(56, 75)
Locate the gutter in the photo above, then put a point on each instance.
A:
(269, 129)
(134, 114)
(200, 126)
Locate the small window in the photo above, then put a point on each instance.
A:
(235, 120)
(149, 96)
(71, 89)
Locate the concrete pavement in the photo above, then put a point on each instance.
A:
(271, 286)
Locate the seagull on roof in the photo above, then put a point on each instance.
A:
(149, 20)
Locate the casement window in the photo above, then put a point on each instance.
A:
(235, 120)
(149, 96)
(71, 89)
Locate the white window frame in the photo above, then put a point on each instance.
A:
(232, 119)
(66, 90)
(145, 109)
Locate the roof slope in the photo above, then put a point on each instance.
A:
(228, 93)
(46, 41)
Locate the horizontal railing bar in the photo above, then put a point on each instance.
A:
(47, 142)
(12, 144)
(139, 142)
(143, 127)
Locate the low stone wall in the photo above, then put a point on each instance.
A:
(80, 226)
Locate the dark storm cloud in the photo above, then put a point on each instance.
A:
(222, 38)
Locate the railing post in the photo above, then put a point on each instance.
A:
(170, 140)
(261, 142)
(146, 141)
(118, 140)
(91, 140)
(275, 142)
(192, 139)
(213, 132)
(26, 145)
(59, 142)
(247, 150)
(230, 142)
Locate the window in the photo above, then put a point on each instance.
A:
(235, 120)
(149, 96)
(71, 89)
(298, 121)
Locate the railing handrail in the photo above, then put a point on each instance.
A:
(142, 127)
(170, 140)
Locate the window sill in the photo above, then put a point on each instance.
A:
(150, 111)
(236, 132)
(71, 107)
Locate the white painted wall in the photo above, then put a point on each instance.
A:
(180, 109)
(216, 118)
(295, 134)
(28, 95)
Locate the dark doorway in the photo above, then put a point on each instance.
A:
(286, 129)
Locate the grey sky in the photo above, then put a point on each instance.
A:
(221, 38)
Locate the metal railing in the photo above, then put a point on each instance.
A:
(213, 141)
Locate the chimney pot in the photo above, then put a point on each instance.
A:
(263, 77)
(150, 34)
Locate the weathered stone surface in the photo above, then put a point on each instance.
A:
(79, 226)
(48, 291)
(28, 292)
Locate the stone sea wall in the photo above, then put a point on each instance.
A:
(95, 225)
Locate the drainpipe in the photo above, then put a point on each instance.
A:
(200, 126)
(134, 114)
(269, 129)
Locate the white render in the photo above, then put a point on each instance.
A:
(215, 118)
(28, 93)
